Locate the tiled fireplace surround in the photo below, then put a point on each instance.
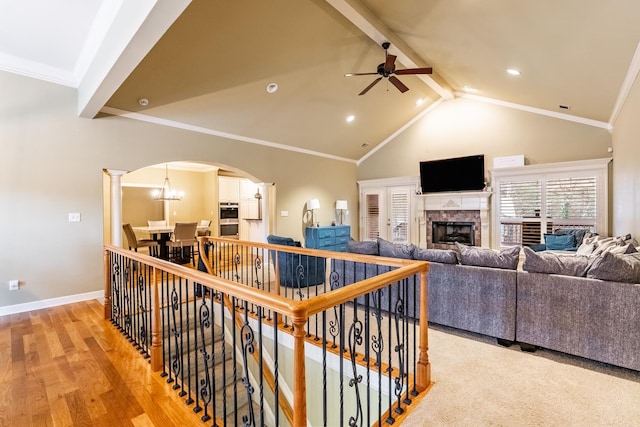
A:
(459, 207)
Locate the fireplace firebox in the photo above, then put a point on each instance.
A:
(450, 232)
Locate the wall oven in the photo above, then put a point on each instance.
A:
(229, 220)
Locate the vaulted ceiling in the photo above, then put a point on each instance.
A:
(205, 64)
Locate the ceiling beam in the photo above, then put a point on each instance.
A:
(137, 27)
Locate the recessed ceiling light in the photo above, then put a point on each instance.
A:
(351, 118)
(419, 101)
(143, 101)
(468, 88)
(272, 87)
(513, 72)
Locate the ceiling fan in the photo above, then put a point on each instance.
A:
(388, 69)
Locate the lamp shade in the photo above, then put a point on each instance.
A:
(341, 204)
(313, 204)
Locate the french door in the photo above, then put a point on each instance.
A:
(386, 213)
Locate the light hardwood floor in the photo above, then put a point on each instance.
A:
(65, 366)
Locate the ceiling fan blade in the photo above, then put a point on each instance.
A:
(360, 74)
(389, 63)
(366, 89)
(426, 70)
(398, 84)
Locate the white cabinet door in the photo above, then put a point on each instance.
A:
(228, 189)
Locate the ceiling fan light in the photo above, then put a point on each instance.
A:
(513, 71)
(351, 118)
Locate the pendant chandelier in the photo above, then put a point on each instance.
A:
(166, 193)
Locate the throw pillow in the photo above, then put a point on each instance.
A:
(552, 263)
(443, 256)
(616, 267)
(623, 249)
(482, 257)
(366, 247)
(395, 250)
(605, 244)
(563, 242)
(586, 248)
(578, 233)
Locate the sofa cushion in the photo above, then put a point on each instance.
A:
(616, 267)
(553, 263)
(366, 247)
(563, 242)
(444, 256)
(395, 250)
(482, 257)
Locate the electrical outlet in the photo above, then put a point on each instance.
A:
(74, 217)
(14, 285)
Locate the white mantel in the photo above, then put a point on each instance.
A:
(461, 200)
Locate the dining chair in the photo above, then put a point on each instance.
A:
(158, 223)
(204, 223)
(135, 243)
(181, 243)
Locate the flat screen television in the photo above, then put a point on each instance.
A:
(455, 174)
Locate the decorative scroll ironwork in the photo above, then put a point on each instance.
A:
(247, 342)
(206, 393)
(377, 341)
(257, 265)
(355, 339)
(334, 325)
(399, 349)
(237, 260)
(176, 360)
(300, 279)
(142, 327)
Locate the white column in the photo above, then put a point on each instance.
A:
(116, 205)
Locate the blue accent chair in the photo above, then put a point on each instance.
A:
(296, 270)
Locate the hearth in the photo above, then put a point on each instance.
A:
(450, 232)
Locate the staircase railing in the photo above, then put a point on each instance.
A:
(278, 335)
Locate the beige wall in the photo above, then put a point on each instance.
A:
(52, 163)
(626, 167)
(464, 127)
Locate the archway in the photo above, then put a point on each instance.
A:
(128, 198)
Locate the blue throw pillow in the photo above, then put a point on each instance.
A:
(565, 242)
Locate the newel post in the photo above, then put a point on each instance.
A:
(299, 379)
(156, 337)
(424, 367)
(107, 285)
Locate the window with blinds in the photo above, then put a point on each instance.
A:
(528, 208)
(372, 216)
(400, 217)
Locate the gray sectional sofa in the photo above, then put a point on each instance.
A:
(463, 293)
(588, 306)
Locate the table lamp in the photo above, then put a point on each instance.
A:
(313, 204)
(341, 206)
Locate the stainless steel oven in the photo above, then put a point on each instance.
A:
(229, 220)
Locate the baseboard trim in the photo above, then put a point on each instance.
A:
(52, 302)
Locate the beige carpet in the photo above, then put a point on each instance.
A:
(479, 383)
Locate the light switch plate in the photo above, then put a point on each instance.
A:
(74, 216)
(284, 213)
(14, 285)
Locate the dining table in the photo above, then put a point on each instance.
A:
(162, 234)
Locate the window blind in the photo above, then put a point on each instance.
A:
(372, 216)
(571, 198)
(520, 199)
(400, 217)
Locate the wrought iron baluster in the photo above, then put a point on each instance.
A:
(355, 339)
(205, 390)
(399, 349)
(247, 343)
